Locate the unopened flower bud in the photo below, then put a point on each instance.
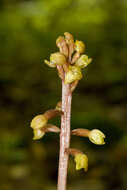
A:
(96, 137)
(38, 122)
(74, 73)
(81, 162)
(57, 59)
(79, 46)
(83, 61)
(61, 44)
(75, 57)
(69, 38)
(38, 134)
(70, 41)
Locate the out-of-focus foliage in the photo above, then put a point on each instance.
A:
(28, 30)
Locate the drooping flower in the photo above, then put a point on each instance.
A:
(81, 161)
(56, 59)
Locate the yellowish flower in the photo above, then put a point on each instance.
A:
(79, 46)
(74, 73)
(38, 122)
(57, 58)
(83, 61)
(81, 161)
(38, 134)
(96, 137)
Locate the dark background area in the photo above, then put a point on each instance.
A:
(28, 30)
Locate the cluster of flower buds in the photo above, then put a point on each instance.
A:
(95, 135)
(70, 58)
(40, 125)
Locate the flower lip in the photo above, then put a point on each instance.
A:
(38, 134)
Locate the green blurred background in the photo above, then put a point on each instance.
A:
(28, 30)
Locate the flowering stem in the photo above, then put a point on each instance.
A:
(64, 136)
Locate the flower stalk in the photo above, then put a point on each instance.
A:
(80, 132)
(52, 113)
(64, 136)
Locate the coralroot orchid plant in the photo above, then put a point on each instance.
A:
(68, 61)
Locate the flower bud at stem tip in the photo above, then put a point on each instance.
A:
(61, 44)
(79, 46)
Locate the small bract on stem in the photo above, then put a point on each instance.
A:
(69, 62)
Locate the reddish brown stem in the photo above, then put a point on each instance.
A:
(64, 136)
